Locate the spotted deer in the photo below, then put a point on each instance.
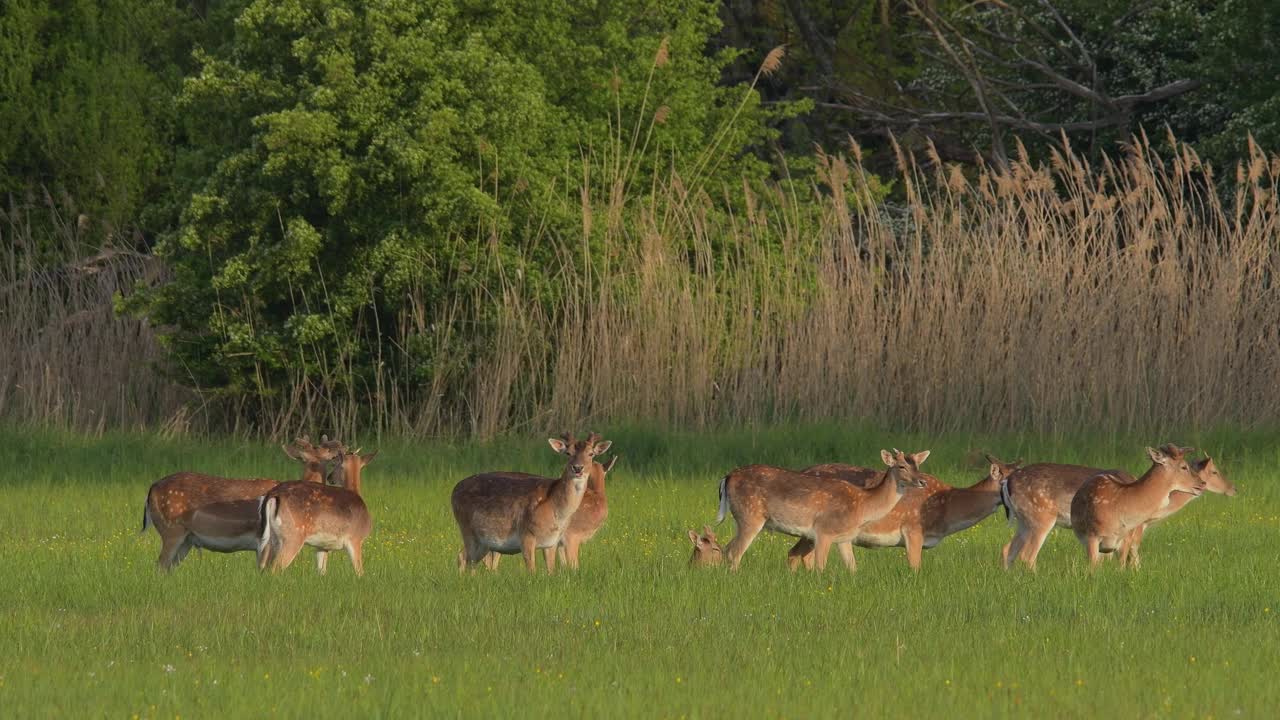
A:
(1214, 482)
(590, 515)
(823, 509)
(509, 512)
(1107, 507)
(706, 551)
(1037, 498)
(922, 518)
(327, 518)
(193, 510)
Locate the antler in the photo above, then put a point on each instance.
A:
(593, 438)
(567, 437)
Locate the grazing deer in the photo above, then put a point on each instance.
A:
(706, 551)
(509, 513)
(823, 509)
(1106, 508)
(1037, 498)
(327, 518)
(220, 514)
(1214, 482)
(922, 518)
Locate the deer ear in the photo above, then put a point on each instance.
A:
(887, 457)
(706, 530)
(1157, 456)
(559, 445)
(693, 538)
(602, 447)
(368, 458)
(920, 457)
(997, 472)
(608, 467)
(291, 451)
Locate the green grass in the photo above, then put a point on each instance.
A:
(91, 629)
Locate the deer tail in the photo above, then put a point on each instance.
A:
(266, 508)
(146, 513)
(724, 499)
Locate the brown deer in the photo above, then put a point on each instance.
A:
(823, 509)
(706, 551)
(295, 514)
(1037, 498)
(204, 511)
(922, 518)
(508, 512)
(1214, 482)
(590, 515)
(1107, 508)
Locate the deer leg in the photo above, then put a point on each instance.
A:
(285, 553)
(821, 548)
(322, 561)
(846, 554)
(355, 551)
(570, 552)
(1032, 549)
(800, 554)
(549, 555)
(491, 559)
(915, 547)
(1013, 550)
(1091, 549)
(171, 548)
(1135, 542)
(737, 547)
(529, 549)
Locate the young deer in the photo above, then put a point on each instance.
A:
(922, 518)
(1106, 508)
(220, 514)
(1038, 498)
(327, 518)
(706, 551)
(509, 513)
(823, 509)
(1214, 482)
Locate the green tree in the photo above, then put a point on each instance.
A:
(343, 151)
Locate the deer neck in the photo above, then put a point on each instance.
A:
(351, 481)
(567, 494)
(885, 494)
(1149, 493)
(313, 473)
(965, 507)
(595, 481)
(1176, 501)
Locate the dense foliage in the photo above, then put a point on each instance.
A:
(321, 177)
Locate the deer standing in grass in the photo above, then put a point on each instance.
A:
(221, 514)
(509, 512)
(1107, 507)
(706, 551)
(823, 509)
(590, 515)
(922, 518)
(1038, 499)
(327, 518)
(1214, 482)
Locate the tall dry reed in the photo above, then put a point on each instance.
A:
(1119, 296)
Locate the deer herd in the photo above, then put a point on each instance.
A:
(505, 513)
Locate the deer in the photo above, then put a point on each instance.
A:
(823, 509)
(1108, 507)
(706, 551)
(1214, 482)
(510, 512)
(326, 517)
(922, 518)
(220, 514)
(1037, 498)
(591, 514)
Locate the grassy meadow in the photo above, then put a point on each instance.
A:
(91, 629)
